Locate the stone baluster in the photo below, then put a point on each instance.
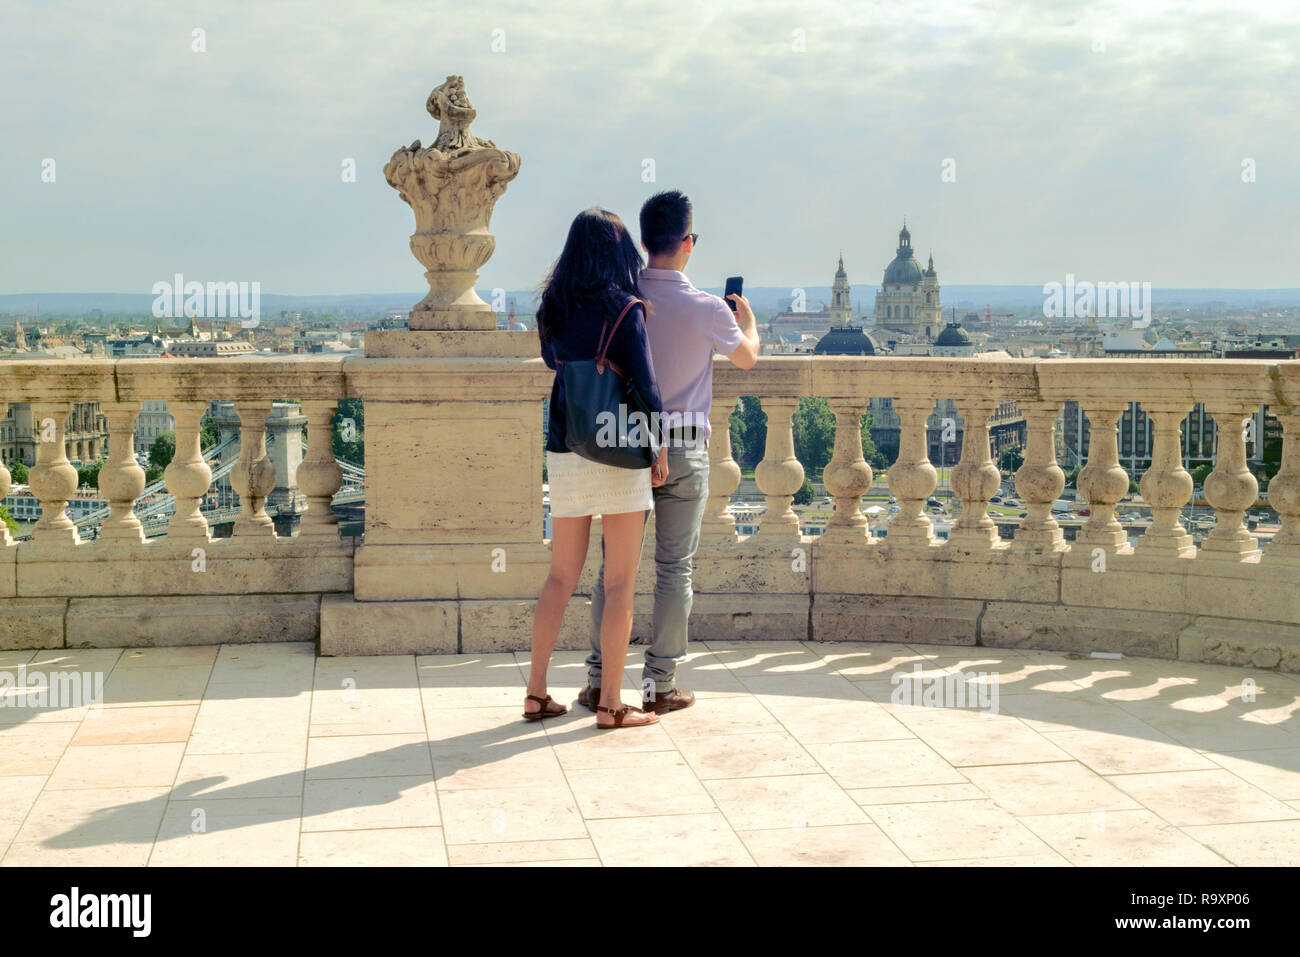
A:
(847, 476)
(319, 475)
(779, 475)
(121, 479)
(1230, 488)
(1167, 487)
(912, 479)
(975, 478)
(53, 480)
(1103, 481)
(188, 476)
(1284, 491)
(719, 526)
(253, 476)
(1039, 480)
(5, 481)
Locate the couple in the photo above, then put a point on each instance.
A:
(665, 346)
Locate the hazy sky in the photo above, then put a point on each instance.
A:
(1122, 163)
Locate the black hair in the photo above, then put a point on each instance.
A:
(597, 268)
(665, 221)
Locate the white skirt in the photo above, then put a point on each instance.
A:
(582, 487)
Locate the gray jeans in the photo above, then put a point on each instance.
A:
(679, 510)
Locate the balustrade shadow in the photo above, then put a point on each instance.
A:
(1166, 701)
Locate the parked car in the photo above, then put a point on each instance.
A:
(933, 502)
(996, 498)
(1011, 502)
(1085, 511)
(1023, 514)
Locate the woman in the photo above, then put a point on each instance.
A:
(589, 285)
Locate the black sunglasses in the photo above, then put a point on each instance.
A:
(693, 237)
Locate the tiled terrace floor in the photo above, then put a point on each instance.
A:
(794, 754)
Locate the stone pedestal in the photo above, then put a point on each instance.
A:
(454, 427)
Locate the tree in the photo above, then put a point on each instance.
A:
(748, 431)
(1072, 476)
(153, 474)
(814, 434)
(349, 425)
(89, 474)
(18, 472)
(209, 434)
(1200, 474)
(1010, 458)
(805, 494)
(163, 449)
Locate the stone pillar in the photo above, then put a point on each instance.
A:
(1230, 488)
(1284, 491)
(188, 476)
(1039, 480)
(779, 475)
(253, 475)
(53, 480)
(912, 478)
(848, 476)
(719, 526)
(319, 475)
(1103, 482)
(121, 479)
(284, 449)
(975, 479)
(1167, 487)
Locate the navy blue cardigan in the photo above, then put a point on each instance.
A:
(577, 339)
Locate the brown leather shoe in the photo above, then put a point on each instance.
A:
(672, 700)
(589, 697)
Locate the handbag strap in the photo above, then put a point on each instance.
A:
(603, 345)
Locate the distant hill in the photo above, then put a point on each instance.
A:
(963, 298)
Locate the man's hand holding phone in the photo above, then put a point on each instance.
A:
(744, 314)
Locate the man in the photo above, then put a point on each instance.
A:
(685, 328)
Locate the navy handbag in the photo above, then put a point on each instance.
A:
(607, 419)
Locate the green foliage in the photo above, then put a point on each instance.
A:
(209, 434)
(153, 474)
(18, 473)
(1072, 475)
(1201, 473)
(163, 449)
(350, 421)
(814, 434)
(1010, 458)
(89, 474)
(748, 432)
(8, 520)
(805, 494)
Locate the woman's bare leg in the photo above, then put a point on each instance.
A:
(623, 535)
(569, 537)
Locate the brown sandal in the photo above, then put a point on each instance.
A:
(541, 712)
(620, 715)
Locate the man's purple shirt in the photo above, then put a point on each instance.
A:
(685, 327)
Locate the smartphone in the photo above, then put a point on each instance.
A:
(735, 284)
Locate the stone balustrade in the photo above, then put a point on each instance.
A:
(452, 554)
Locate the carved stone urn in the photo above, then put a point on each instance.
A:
(452, 186)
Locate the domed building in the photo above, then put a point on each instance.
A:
(845, 340)
(908, 300)
(954, 341)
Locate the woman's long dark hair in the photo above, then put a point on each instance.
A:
(597, 269)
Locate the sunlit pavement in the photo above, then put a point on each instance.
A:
(795, 753)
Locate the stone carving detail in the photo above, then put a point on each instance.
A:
(452, 187)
